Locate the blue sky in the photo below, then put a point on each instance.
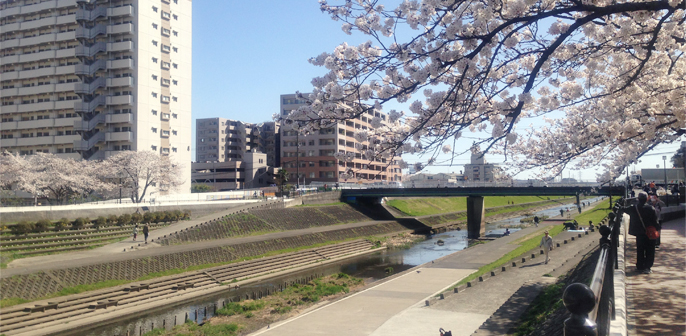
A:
(247, 53)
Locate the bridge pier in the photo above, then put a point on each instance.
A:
(476, 223)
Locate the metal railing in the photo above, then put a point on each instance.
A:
(593, 308)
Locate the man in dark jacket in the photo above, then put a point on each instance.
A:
(642, 216)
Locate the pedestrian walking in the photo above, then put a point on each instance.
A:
(657, 205)
(562, 213)
(135, 232)
(643, 217)
(547, 244)
(146, 231)
(536, 220)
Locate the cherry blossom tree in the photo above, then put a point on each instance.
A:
(609, 77)
(49, 176)
(11, 168)
(142, 170)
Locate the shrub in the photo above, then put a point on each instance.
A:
(186, 214)
(42, 225)
(136, 218)
(101, 221)
(124, 219)
(61, 224)
(149, 217)
(112, 219)
(79, 223)
(177, 215)
(23, 227)
(159, 217)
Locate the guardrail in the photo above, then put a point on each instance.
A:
(593, 308)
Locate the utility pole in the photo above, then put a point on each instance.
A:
(297, 159)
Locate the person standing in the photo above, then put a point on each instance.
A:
(547, 244)
(657, 205)
(536, 220)
(135, 232)
(642, 216)
(146, 231)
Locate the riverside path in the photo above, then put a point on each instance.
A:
(397, 306)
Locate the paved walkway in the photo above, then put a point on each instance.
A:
(396, 307)
(656, 303)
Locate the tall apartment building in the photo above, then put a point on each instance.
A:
(86, 79)
(219, 139)
(316, 152)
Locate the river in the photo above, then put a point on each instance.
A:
(370, 267)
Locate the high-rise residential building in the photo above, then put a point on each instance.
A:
(86, 79)
(222, 140)
(248, 172)
(312, 156)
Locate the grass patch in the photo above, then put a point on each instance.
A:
(438, 205)
(546, 302)
(598, 213)
(11, 302)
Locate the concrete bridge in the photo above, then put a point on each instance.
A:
(476, 223)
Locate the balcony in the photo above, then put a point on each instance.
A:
(119, 118)
(120, 64)
(36, 7)
(44, 22)
(120, 46)
(120, 100)
(119, 82)
(119, 136)
(124, 28)
(120, 11)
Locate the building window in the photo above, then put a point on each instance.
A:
(174, 115)
(154, 130)
(154, 112)
(154, 9)
(154, 77)
(175, 49)
(174, 98)
(165, 65)
(175, 82)
(154, 42)
(154, 25)
(153, 147)
(154, 60)
(165, 31)
(165, 99)
(174, 149)
(175, 33)
(174, 133)
(176, 66)
(165, 15)
(165, 81)
(154, 95)
(175, 17)
(166, 48)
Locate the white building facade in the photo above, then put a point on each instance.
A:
(87, 79)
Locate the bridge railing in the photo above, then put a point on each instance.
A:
(593, 308)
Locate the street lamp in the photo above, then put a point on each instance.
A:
(664, 161)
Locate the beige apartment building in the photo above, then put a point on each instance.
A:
(86, 79)
(312, 156)
(222, 140)
(248, 172)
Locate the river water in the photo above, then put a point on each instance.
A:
(370, 267)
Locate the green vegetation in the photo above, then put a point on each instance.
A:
(192, 329)
(11, 302)
(250, 315)
(439, 205)
(598, 213)
(200, 188)
(546, 302)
